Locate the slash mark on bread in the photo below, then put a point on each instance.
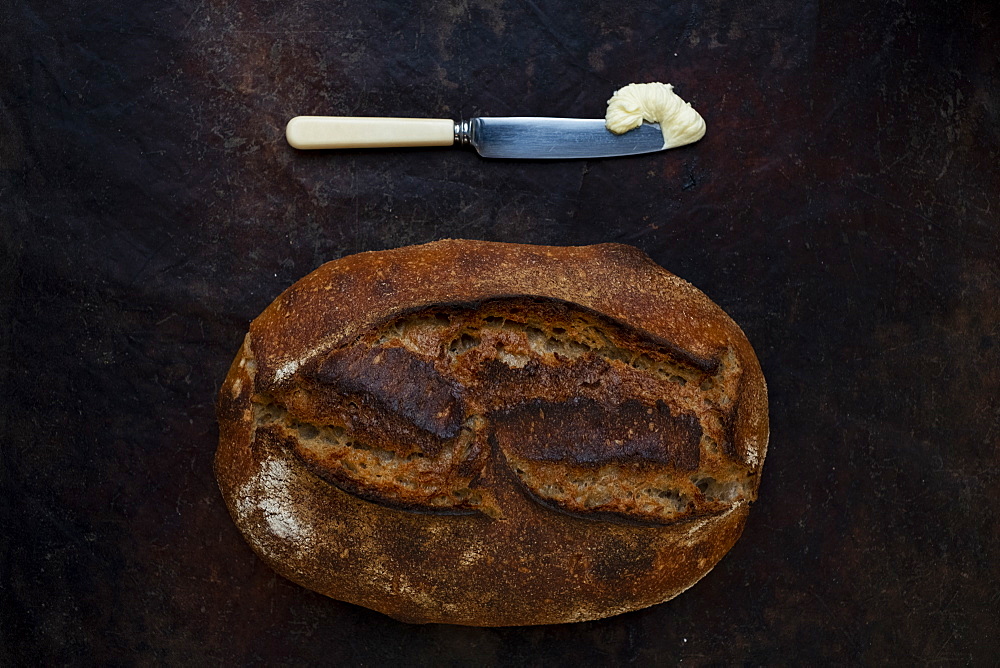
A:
(594, 417)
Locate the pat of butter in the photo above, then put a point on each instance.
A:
(655, 103)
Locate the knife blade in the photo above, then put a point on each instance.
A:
(518, 137)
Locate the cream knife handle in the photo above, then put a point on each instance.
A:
(308, 132)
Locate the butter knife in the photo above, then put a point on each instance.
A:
(522, 137)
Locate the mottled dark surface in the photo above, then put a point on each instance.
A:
(843, 208)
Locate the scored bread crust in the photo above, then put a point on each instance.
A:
(493, 434)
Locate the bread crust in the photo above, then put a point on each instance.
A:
(493, 434)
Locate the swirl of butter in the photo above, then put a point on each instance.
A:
(656, 103)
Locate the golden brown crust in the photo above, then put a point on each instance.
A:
(493, 434)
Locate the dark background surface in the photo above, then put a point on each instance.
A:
(843, 208)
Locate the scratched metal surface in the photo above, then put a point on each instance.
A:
(843, 208)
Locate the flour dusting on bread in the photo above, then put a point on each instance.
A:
(268, 494)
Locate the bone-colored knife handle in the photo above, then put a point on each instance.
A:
(309, 132)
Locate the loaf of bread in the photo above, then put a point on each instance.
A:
(493, 434)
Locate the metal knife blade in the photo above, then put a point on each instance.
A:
(524, 137)
(557, 138)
